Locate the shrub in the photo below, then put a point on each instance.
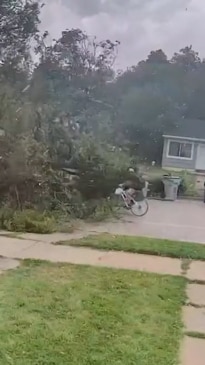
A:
(27, 221)
(80, 208)
(156, 187)
(26, 172)
(187, 186)
(101, 168)
(102, 209)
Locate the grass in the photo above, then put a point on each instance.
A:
(33, 221)
(143, 245)
(63, 314)
(189, 179)
(196, 335)
(10, 234)
(27, 220)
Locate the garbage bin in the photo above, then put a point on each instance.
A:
(171, 185)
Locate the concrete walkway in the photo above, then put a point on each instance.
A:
(29, 249)
(193, 349)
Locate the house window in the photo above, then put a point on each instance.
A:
(180, 149)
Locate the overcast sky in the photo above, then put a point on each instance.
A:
(140, 25)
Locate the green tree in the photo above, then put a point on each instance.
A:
(70, 79)
(18, 25)
(147, 114)
(187, 58)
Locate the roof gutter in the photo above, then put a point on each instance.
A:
(184, 138)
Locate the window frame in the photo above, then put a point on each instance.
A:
(180, 142)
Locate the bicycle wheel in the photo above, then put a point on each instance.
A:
(140, 208)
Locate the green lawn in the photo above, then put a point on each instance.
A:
(143, 245)
(63, 314)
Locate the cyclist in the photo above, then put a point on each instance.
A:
(134, 186)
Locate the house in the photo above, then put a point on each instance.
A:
(184, 147)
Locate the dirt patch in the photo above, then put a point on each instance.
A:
(8, 264)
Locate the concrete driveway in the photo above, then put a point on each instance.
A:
(182, 220)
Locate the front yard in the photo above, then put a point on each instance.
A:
(63, 314)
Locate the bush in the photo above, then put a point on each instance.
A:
(80, 208)
(101, 168)
(102, 209)
(156, 187)
(25, 172)
(31, 180)
(26, 221)
(186, 187)
(182, 187)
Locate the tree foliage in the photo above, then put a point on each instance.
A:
(19, 22)
(155, 94)
(71, 111)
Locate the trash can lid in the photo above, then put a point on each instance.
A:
(171, 180)
(171, 177)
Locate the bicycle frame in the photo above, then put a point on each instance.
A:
(131, 204)
(127, 199)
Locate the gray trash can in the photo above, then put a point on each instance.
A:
(171, 185)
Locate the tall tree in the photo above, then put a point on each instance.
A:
(187, 58)
(19, 21)
(70, 80)
(158, 57)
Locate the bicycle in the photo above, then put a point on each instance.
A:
(138, 208)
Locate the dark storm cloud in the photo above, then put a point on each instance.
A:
(140, 25)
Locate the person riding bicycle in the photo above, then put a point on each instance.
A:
(134, 186)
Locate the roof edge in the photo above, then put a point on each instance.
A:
(184, 138)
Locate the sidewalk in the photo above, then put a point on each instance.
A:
(193, 349)
(38, 250)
